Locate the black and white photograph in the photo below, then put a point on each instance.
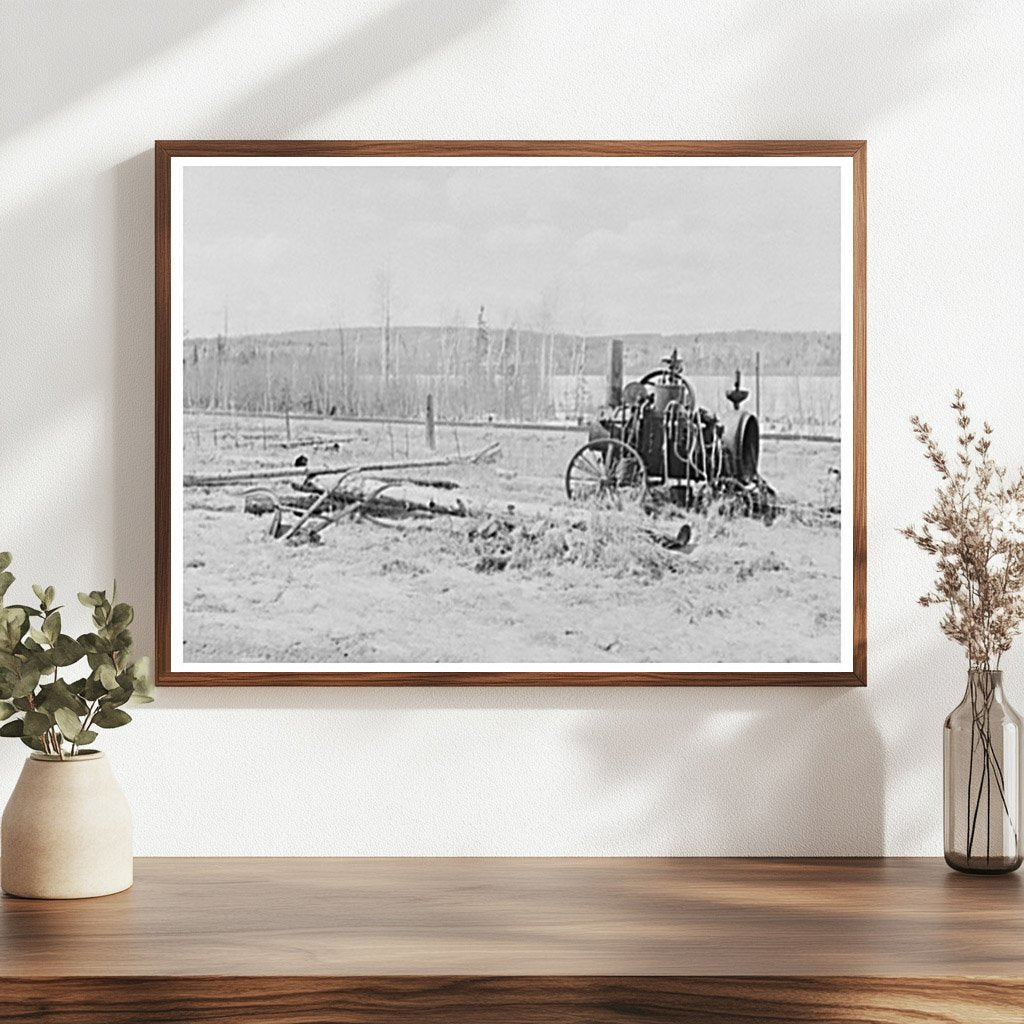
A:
(511, 414)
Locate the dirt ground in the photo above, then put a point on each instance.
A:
(745, 592)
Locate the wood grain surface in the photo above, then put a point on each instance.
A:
(166, 150)
(505, 916)
(503, 940)
(511, 1000)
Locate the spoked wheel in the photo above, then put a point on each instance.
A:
(608, 472)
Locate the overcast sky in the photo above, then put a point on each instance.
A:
(588, 249)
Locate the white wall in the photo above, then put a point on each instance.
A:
(937, 90)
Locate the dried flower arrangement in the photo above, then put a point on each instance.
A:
(975, 531)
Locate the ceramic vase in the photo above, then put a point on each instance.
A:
(66, 831)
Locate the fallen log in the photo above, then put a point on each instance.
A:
(396, 499)
(218, 480)
(386, 503)
(441, 485)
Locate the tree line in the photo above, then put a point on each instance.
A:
(509, 373)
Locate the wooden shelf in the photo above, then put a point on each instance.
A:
(506, 940)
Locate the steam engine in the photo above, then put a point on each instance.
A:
(687, 451)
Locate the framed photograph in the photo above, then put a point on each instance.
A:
(493, 413)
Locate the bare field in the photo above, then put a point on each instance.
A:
(603, 594)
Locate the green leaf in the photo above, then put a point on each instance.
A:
(13, 728)
(40, 592)
(142, 682)
(27, 681)
(94, 644)
(66, 651)
(107, 676)
(12, 627)
(38, 635)
(50, 595)
(89, 600)
(86, 736)
(115, 698)
(16, 615)
(69, 723)
(59, 695)
(6, 710)
(36, 723)
(6, 579)
(31, 741)
(122, 616)
(5, 559)
(94, 689)
(141, 673)
(28, 610)
(108, 718)
(51, 626)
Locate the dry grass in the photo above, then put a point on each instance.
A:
(564, 585)
(617, 544)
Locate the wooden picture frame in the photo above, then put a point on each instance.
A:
(850, 156)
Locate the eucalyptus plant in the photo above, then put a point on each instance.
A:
(37, 704)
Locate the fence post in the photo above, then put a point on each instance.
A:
(431, 440)
(615, 374)
(757, 384)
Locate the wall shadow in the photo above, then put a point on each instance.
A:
(392, 41)
(692, 771)
(811, 58)
(45, 53)
(739, 772)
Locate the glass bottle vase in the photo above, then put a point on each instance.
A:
(981, 770)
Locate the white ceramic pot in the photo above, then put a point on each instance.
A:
(66, 831)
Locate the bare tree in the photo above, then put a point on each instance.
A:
(386, 340)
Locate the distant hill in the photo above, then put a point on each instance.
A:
(782, 354)
(433, 350)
